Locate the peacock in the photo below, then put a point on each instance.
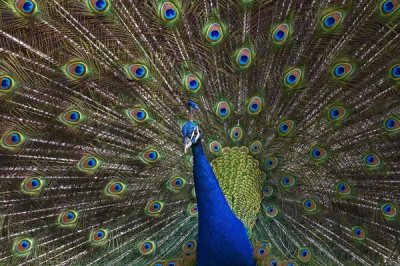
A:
(200, 132)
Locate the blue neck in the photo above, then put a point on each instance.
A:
(222, 237)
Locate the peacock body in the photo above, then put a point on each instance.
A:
(219, 132)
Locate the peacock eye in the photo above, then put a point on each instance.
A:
(99, 6)
(23, 247)
(215, 147)
(309, 205)
(389, 210)
(244, 58)
(271, 211)
(139, 72)
(150, 155)
(68, 218)
(76, 70)
(236, 133)
(332, 20)
(189, 247)
(192, 83)
(99, 236)
(358, 232)
(223, 110)
(72, 117)
(32, 185)
(13, 140)
(154, 208)
(192, 210)
(342, 70)
(214, 33)
(6, 83)
(26, 7)
(304, 254)
(147, 247)
(255, 147)
(285, 128)
(115, 188)
(293, 78)
(176, 184)
(254, 106)
(89, 164)
(169, 12)
(280, 34)
(389, 7)
(336, 113)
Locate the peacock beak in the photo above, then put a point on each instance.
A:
(188, 142)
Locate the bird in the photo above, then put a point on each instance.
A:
(194, 132)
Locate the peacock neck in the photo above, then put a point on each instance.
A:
(222, 237)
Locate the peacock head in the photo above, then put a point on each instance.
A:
(190, 134)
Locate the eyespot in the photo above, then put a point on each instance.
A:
(189, 247)
(358, 232)
(273, 262)
(318, 154)
(331, 20)
(89, 164)
(192, 83)
(236, 133)
(271, 163)
(173, 263)
(342, 70)
(214, 33)
(215, 147)
(271, 211)
(268, 191)
(169, 12)
(244, 58)
(392, 124)
(372, 160)
(280, 34)
(115, 188)
(26, 7)
(293, 78)
(138, 114)
(72, 117)
(389, 210)
(6, 83)
(309, 205)
(285, 127)
(12, 139)
(157, 263)
(147, 247)
(32, 185)
(395, 72)
(336, 113)
(99, 6)
(192, 210)
(176, 184)
(288, 181)
(255, 147)
(343, 188)
(76, 70)
(154, 208)
(260, 252)
(151, 155)
(23, 247)
(254, 105)
(289, 263)
(304, 254)
(68, 218)
(138, 72)
(223, 110)
(389, 7)
(99, 236)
